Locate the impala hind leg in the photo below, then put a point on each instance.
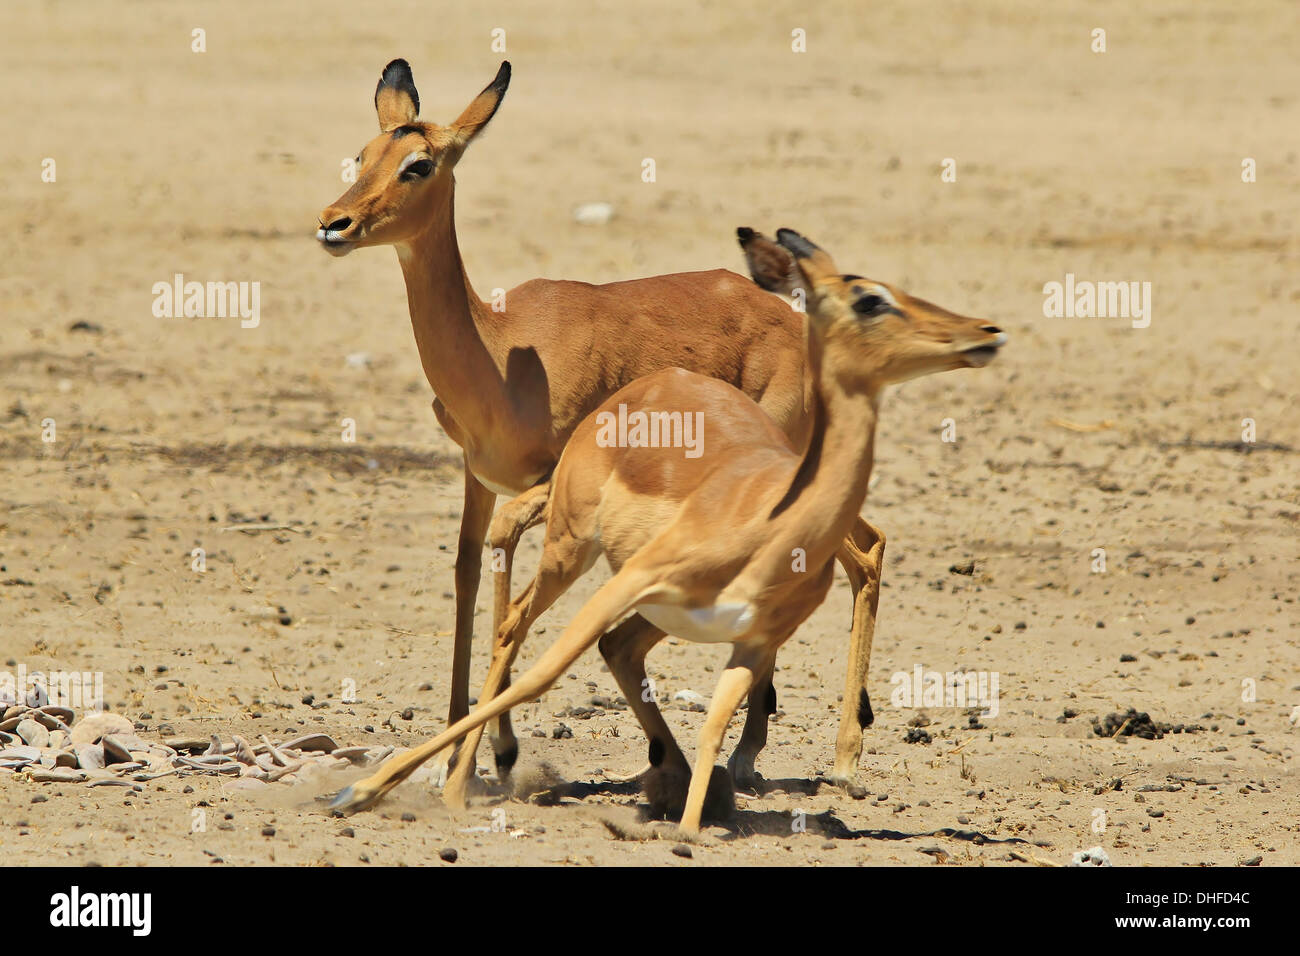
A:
(748, 660)
(762, 705)
(625, 649)
(863, 556)
(508, 526)
(614, 599)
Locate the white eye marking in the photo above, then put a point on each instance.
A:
(411, 159)
(884, 293)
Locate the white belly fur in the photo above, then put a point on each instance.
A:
(496, 489)
(703, 625)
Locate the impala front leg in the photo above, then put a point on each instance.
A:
(474, 520)
(511, 521)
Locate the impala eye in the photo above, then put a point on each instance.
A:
(870, 305)
(418, 169)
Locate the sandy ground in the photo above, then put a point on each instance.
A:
(1117, 166)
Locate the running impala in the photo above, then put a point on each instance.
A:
(701, 547)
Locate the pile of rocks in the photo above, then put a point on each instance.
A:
(45, 743)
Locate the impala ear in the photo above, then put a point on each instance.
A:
(771, 266)
(471, 122)
(396, 100)
(810, 258)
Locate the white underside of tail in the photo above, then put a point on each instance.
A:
(717, 624)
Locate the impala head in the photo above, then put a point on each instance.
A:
(870, 334)
(404, 175)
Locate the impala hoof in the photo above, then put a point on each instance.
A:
(352, 799)
(743, 774)
(667, 791)
(849, 785)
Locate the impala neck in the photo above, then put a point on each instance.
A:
(830, 484)
(449, 319)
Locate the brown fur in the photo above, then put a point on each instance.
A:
(511, 386)
(706, 533)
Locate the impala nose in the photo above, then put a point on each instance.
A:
(338, 225)
(991, 329)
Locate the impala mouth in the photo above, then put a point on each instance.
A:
(334, 243)
(981, 355)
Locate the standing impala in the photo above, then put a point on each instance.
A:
(511, 386)
(701, 546)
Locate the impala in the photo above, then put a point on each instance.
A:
(511, 386)
(701, 547)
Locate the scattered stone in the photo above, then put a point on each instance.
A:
(90, 756)
(94, 726)
(114, 751)
(244, 751)
(683, 850)
(188, 745)
(448, 854)
(593, 213)
(356, 755)
(60, 774)
(32, 733)
(1093, 857)
(20, 753)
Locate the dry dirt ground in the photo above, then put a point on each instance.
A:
(1122, 165)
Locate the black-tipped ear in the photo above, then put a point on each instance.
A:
(770, 266)
(484, 107)
(797, 244)
(813, 261)
(396, 100)
(502, 80)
